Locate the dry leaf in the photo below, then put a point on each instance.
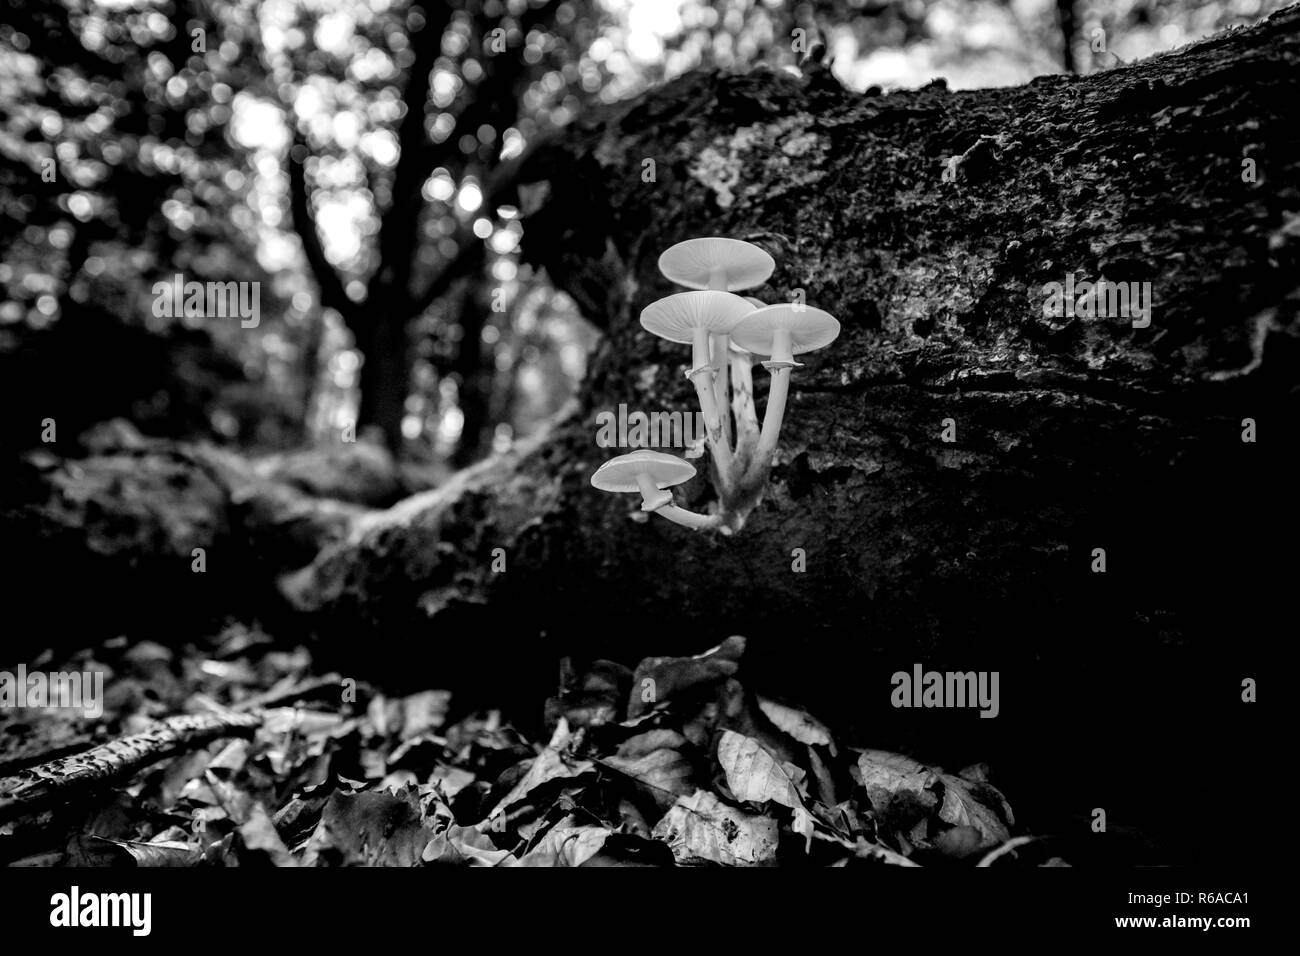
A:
(369, 829)
(799, 724)
(886, 776)
(701, 827)
(548, 765)
(755, 775)
(664, 774)
(470, 845)
(162, 853)
(261, 837)
(567, 844)
(961, 808)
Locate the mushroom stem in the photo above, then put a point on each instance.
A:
(772, 415)
(690, 519)
(742, 406)
(782, 350)
(700, 360)
(652, 497)
(701, 375)
(720, 346)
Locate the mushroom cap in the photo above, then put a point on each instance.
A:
(809, 328)
(619, 474)
(758, 304)
(743, 264)
(676, 317)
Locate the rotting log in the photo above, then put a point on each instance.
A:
(931, 222)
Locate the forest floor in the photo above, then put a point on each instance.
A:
(673, 764)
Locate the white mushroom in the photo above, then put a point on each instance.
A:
(780, 331)
(691, 318)
(721, 265)
(650, 473)
(725, 265)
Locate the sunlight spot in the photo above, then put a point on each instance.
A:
(470, 198)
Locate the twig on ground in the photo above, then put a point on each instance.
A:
(37, 787)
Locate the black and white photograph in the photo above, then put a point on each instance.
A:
(661, 434)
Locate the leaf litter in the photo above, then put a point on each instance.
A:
(674, 762)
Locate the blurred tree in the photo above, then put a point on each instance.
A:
(457, 132)
(1069, 29)
(116, 172)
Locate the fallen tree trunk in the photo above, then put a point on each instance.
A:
(1071, 433)
(931, 223)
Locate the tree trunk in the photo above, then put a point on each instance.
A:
(474, 378)
(1069, 28)
(385, 379)
(1073, 434)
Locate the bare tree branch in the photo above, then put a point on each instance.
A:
(332, 290)
(498, 186)
(398, 228)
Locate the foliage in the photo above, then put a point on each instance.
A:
(673, 764)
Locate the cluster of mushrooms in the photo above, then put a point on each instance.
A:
(726, 332)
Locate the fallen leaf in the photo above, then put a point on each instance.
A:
(664, 774)
(163, 853)
(701, 827)
(262, 840)
(754, 775)
(451, 780)
(961, 808)
(459, 845)
(799, 724)
(626, 849)
(567, 844)
(886, 776)
(650, 741)
(659, 679)
(369, 829)
(548, 765)
(424, 712)
(959, 842)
